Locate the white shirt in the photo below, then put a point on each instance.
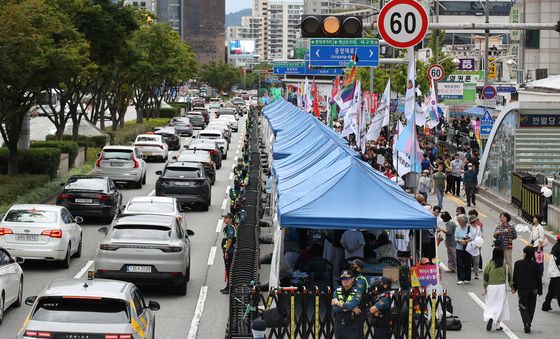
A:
(400, 238)
(537, 235)
(553, 270)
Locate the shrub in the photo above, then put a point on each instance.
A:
(169, 112)
(12, 186)
(131, 129)
(84, 141)
(33, 161)
(69, 147)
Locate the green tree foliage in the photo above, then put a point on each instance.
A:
(221, 76)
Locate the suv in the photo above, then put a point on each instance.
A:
(182, 125)
(199, 156)
(197, 119)
(207, 145)
(170, 137)
(152, 146)
(185, 181)
(204, 112)
(146, 249)
(217, 136)
(122, 164)
(155, 205)
(97, 308)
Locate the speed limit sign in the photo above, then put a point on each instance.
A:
(436, 72)
(402, 23)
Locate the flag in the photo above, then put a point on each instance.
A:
(329, 118)
(351, 118)
(344, 96)
(382, 116)
(363, 121)
(420, 114)
(316, 111)
(300, 96)
(331, 104)
(433, 115)
(307, 96)
(401, 161)
(408, 140)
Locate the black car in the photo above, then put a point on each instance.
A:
(88, 195)
(204, 112)
(207, 145)
(197, 119)
(201, 156)
(185, 181)
(171, 139)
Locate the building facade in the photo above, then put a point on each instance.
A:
(171, 12)
(284, 18)
(321, 7)
(149, 5)
(203, 29)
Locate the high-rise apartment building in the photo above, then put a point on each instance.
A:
(203, 29)
(149, 5)
(171, 12)
(284, 17)
(332, 6)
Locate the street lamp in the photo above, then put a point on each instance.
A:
(455, 61)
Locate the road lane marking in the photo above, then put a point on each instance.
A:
(219, 225)
(237, 152)
(224, 204)
(83, 270)
(480, 303)
(231, 176)
(151, 194)
(211, 256)
(235, 159)
(227, 189)
(198, 312)
(232, 166)
(462, 203)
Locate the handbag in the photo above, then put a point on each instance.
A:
(539, 257)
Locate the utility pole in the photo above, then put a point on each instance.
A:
(437, 32)
(487, 31)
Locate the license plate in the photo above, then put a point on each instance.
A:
(147, 153)
(182, 183)
(139, 269)
(84, 200)
(27, 237)
(116, 164)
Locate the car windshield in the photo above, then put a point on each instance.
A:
(145, 206)
(145, 232)
(31, 215)
(145, 138)
(123, 154)
(86, 184)
(209, 136)
(226, 112)
(192, 158)
(81, 310)
(182, 172)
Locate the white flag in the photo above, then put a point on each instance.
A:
(385, 106)
(420, 115)
(308, 103)
(410, 88)
(432, 109)
(401, 161)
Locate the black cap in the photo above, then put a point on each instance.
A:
(258, 325)
(358, 263)
(386, 281)
(347, 274)
(229, 215)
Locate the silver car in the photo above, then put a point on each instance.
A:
(96, 308)
(11, 282)
(156, 205)
(145, 249)
(122, 164)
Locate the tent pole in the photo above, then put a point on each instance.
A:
(420, 237)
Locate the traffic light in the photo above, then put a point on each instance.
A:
(331, 26)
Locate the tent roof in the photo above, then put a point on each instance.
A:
(476, 111)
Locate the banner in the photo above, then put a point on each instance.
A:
(401, 161)
(423, 275)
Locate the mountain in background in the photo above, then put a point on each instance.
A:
(234, 18)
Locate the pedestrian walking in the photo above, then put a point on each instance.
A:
(463, 235)
(497, 277)
(450, 243)
(439, 182)
(381, 309)
(473, 246)
(537, 238)
(470, 181)
(345, 306)
(424, 184)
(481, 225)
(504, 236)
(228, 247)
(456, 172)
(554, 274)
(527, 282)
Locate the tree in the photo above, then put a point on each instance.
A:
(220, 76)
(33, 37)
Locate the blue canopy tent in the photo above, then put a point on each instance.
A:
(344, 195)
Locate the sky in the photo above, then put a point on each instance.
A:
(237, 5)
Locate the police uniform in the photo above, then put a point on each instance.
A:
(346, 323)
(382, 321)
(230, 233)
(362, 287)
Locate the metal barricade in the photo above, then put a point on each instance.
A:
(531, 201)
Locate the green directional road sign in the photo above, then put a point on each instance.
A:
(339, 52)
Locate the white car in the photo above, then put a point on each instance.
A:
(152, 146)
(156, 205)
(222, 126)
(231, 120)
(11, 282)
(122, 164)
(43, 232)
(218, 137)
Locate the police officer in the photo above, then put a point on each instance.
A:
(345, 304)
(381, 309)
(362, 286)
(239, 167)
(228, 246)
(235, 193)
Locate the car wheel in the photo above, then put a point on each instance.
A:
(188, 273)
(181, 289)
(1, 307)
(144, 179)
(20, 293)
(78, 253)
(65, 263)
(138, 184)
(206, 205)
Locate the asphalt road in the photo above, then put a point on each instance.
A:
(203, 311)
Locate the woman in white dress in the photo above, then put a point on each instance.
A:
(537, 239)
(497, 277)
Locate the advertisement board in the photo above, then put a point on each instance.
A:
(240, 47)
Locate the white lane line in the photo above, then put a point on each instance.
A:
(230, 177)
(198, 312)
(480, 303)
(232, 166)
(219, 225)
(237, 152)
(224, 204)
(227, 189)
(211, 256)
(152, 193)
(83, 270)
(235, 159)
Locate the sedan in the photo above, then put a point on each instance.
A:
(204, 112)
(43, 232)
(171, 139)
(185, 181)
(197, 120)
(96, 308)
(156, 206)
(122, 164)
(88, 195)
(221, 126)
(231, 121)
(146, 249)
(152, 146)
(207, 145)
(199, 156)
(11, 282)
(182, 125)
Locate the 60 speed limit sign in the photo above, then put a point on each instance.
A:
(402, 23)
(436, 72)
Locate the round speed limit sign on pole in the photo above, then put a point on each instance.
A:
(402, 23)
(436, 72)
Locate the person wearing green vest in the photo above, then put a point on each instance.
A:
(228, 247)
(362, 286)
(346, 310)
